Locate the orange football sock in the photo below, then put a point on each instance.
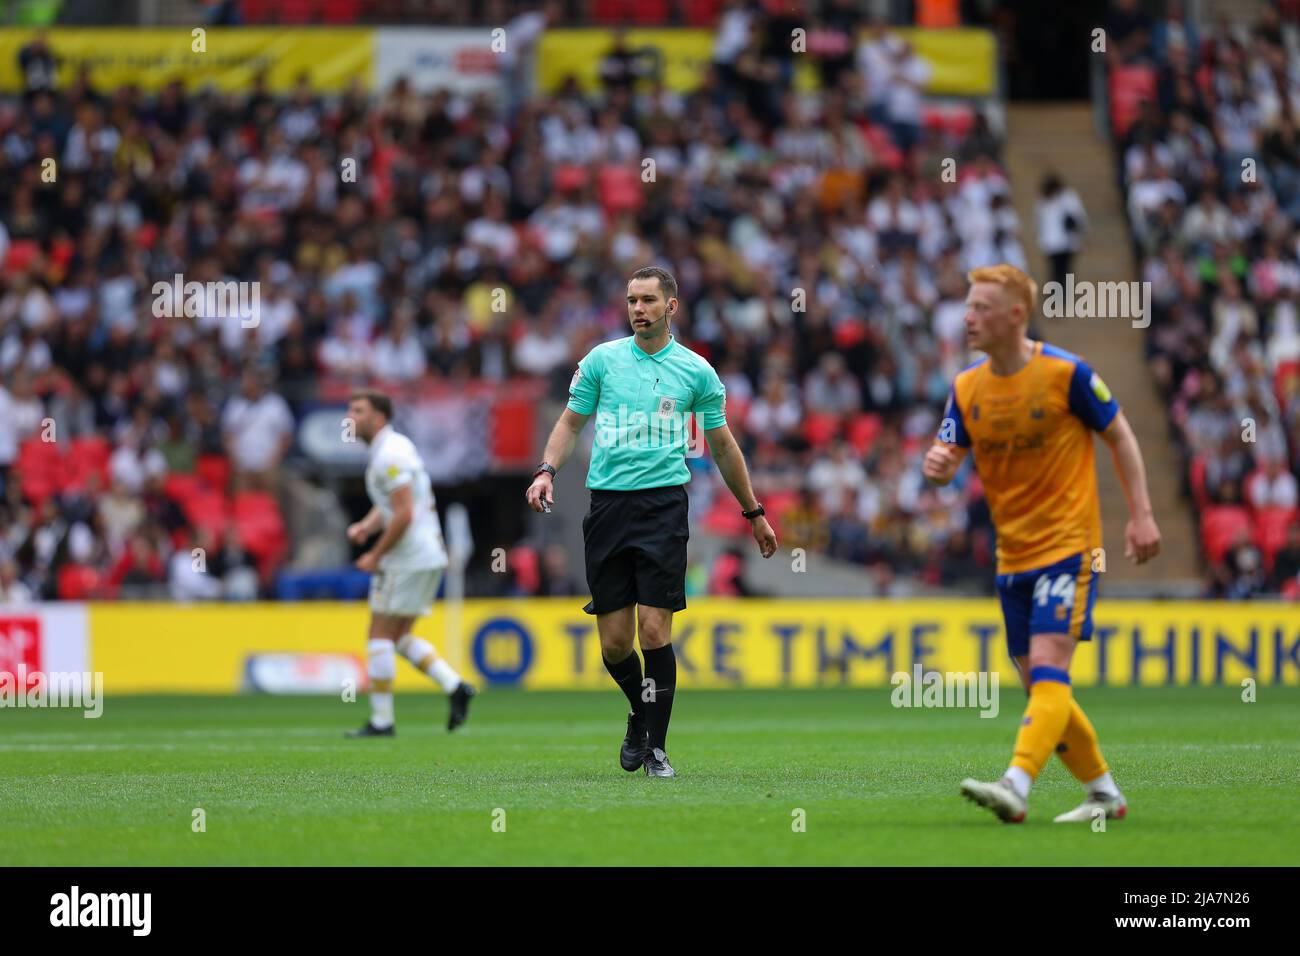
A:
(1045, 718)
(1079, 749)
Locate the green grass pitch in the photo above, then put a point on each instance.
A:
(1210, 781)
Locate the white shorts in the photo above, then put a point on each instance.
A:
(404, 593)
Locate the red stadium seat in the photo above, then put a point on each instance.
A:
(819, 429)
(79, 582)
(512, 432)
(1220, 525)
(724, 517)
(34, 453)
(207, 509)
(606, 11)
(1130, 87)
(260, 528)
(954, 119)
(88, 455)
(738, 410)
(863, 430)
(568, 178)
(651, 11)
(620, 189)
(340, 11)
(181, 488)
(882, 147)
(526, 564)
(94, 448)
(1271, 526)
(777, 503)
(1282, 378)
(213, 471)
(296, 11)
(40, 469)
(700, 13)
(1196, 475)
(22, 253)
(257, 11)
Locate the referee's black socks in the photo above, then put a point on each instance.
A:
(661, 669)
(627, 674)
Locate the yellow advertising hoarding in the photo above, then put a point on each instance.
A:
(227, 58)
(963, 61)
(552, 644)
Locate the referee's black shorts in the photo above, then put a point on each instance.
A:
(636, 548)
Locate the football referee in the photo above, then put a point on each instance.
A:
(644, 390)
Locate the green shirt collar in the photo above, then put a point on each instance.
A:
(659, 356)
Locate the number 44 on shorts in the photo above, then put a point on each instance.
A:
(1062, 586)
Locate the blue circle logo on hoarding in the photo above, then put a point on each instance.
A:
(502, 651)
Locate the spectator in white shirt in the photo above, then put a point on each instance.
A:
(258, 430)
(398, 356)
(26, 411)
(543, 348)
(836, 476)
(134, 461)
(1272, 486)
(1061, 225)
(908, 77)
(830, 390)
(775, 415)
(12, 590)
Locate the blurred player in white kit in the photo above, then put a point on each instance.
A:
(407, 563)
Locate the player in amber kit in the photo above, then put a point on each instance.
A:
(1027, 411)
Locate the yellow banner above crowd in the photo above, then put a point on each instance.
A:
(227, 58)
(963, 62)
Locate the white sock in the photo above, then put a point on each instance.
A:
(447, 678)
(383, 668)
(1020, 781)
(421, 653)
(1104, 784)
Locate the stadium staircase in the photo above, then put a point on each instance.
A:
(1062, 137)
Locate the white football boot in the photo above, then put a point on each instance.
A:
(1113, 805)
(998, 796)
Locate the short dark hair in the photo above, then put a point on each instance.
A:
(377, 399)
(666, 281)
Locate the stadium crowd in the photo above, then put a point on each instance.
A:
(1211, 170)
(812, 236)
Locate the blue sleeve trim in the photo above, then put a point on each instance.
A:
(1085, 404)
(952, 411)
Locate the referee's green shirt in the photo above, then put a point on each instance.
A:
(643, 406)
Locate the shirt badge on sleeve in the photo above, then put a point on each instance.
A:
(1099, 388)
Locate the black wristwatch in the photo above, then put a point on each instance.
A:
(756, 513)
(544, 467)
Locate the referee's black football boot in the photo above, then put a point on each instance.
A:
(636, 744)
(657, 765)
(370, 730)
(460, 705)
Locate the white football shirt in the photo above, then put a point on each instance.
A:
(395, 463)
